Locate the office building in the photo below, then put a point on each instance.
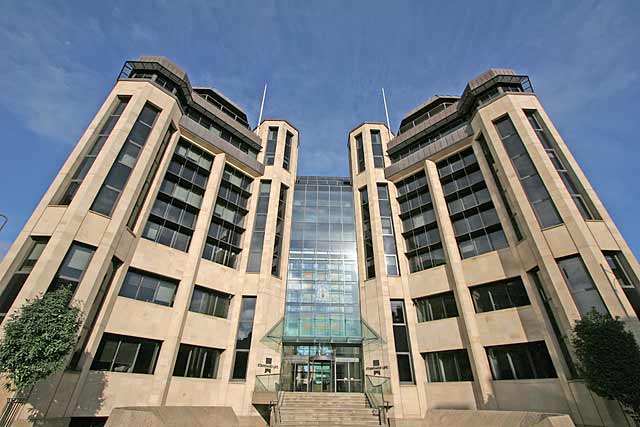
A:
(445, 272)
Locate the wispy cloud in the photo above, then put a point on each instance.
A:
(41, 82)
(4, 247)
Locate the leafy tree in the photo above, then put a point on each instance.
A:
(38, 338)
(609, 360)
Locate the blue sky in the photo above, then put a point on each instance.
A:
(325, 62)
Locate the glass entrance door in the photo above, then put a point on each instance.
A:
(300, 377)
(348, 376)
(321, 376)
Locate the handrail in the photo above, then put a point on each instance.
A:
(271, 383)
(274, 410)
(375, 392)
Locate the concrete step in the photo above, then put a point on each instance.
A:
(325, 425)
(319, 401)
(325, 404)
(350, 423)
(331, 397)
(327, 410)
(321, 421)
(336, 415)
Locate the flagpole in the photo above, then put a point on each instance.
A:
(386, 113)
(264, 95)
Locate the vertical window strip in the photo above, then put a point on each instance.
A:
(243, 338)
(120, 171)
(376, 147)
(402, 342)
(287, 150)
(360, 153)
(367, 236)
(584, 205)
(625, 277)
(270, 152)
(534, 275)
(20, 276)
(223, 244)
(420, 228)
(259, 227)
(534, 188)
(277, 244)
(475, 221)
(96, 147)
(388, 233)
(94, 311)
(503, 195)
(137, 208)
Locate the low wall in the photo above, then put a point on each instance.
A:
(173, 416)
(466, 418)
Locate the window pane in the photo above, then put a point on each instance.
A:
(165, 293)
(145, 362)
(105, 201)
(404, 368)
(125, 356)
(240, 365)
(581, 286)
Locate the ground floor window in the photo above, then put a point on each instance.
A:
(446, 366)
(88, 421)
(521, 361)
(119, 353)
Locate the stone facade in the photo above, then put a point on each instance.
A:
(81, 391)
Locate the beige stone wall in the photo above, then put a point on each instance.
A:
(92, 393)
(475, 331)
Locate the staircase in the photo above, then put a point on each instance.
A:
(327, 410)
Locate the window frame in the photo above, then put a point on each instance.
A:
(424, 311)
(159, 280)
(209, 294)
(131, 340)
(435, 359)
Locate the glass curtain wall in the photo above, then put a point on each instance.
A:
(322, 288)
(322, 331)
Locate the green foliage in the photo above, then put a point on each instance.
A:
(38, 338)
(608, 359)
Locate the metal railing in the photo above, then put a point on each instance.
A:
(270, 383)
(267, 382)
(376, 388)
(11, 410)
(274, 410)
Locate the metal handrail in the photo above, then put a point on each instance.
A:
(11, 410)
(274, 410)
(371, 390)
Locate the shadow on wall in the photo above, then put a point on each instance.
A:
(173, 416)
(50, 399)
(462, 418)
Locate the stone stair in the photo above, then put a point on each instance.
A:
(327, 410)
